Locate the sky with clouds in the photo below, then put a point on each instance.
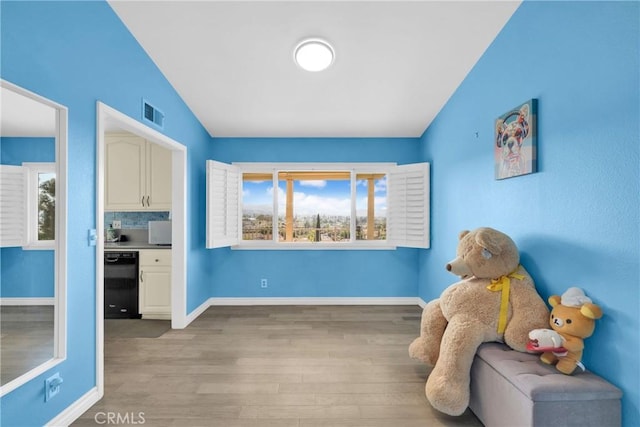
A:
(324, 197)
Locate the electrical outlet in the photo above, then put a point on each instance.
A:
(52, 386)
(263, 283)
(117, 225)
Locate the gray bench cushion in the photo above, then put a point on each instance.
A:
(515, 389)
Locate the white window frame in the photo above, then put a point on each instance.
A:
(224, 205)
(32, 171)
(408, 228)
(13, 206)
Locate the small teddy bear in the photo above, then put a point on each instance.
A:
(573, 317)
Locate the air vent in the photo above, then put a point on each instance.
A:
(152, 115)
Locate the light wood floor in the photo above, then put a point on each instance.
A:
(26, 339)
(273, 366)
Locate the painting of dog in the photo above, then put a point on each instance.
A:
(515, 141)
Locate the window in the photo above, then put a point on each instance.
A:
(317, 205)
(28, 194)
(223, 189)
(257, 206)
(312, 206)
(371, 206)
(41, 205)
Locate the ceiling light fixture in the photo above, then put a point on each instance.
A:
(314, 54)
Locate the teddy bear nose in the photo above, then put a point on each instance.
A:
(448, 267)
(558, 322)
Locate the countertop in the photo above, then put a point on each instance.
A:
(120, 246)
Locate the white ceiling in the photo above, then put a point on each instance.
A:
(21, 116)
(397, 63)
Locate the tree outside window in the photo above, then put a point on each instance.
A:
(46, 206)
(41, 206)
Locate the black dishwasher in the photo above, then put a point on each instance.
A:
(121, 285)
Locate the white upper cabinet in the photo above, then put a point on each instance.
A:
(158, 177)
(125, 173)
(138, 174)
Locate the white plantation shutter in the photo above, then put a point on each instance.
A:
(408, 204)
(223, 204)
(13, 210)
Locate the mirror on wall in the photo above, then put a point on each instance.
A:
(32, 234)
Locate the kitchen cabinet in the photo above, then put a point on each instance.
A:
(155, 284)
(137, 174)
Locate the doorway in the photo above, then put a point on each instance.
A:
(110, 119)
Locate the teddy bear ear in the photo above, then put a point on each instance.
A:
(462, 234)
(591, 311)
(554, 300)
(488, 241)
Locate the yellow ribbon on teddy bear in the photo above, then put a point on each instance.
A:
(504, 284)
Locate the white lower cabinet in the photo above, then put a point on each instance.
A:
(155, 284)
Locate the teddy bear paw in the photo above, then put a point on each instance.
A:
(566, 366)
(548, 358)
(419, 351)
(446, 397)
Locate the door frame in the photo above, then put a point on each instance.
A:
(59, 353)
(109, 118)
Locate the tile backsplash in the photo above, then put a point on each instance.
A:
(132, 220)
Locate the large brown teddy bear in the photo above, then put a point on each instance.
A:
(495, 301)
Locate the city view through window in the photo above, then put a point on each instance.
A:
(314, 206)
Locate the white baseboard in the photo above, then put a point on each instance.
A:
(27, 301)
(239, 301)
(76, 409)
(156, 316)
(197, 312)
(316, 301)
(421, 302)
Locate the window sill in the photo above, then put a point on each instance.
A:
(350, 246)
(39, 247)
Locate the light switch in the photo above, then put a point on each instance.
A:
(93, 237)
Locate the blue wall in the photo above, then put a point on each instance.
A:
(576, 221)
(15, 150)
(26, 274)
(314, 273)
(76, 53)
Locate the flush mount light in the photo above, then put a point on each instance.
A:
(314, 54)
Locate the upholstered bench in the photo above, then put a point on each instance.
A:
(514, 389)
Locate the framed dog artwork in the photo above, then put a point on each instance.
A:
(515, 142)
